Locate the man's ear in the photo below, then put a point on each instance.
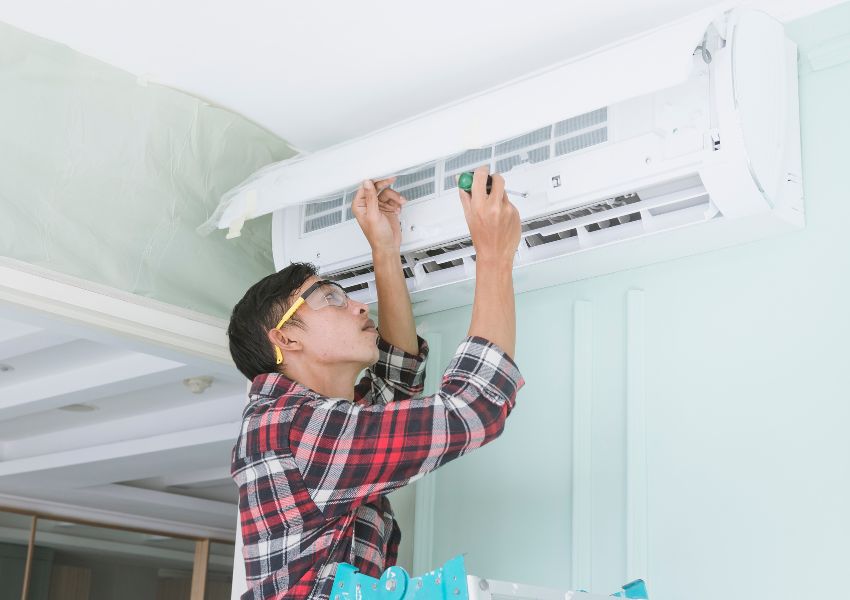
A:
(283, 340)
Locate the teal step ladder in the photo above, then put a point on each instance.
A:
(451, 582)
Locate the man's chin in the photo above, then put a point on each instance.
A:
(374, 358)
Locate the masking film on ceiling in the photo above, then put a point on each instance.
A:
(106, 178)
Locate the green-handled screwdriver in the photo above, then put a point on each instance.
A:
(464, 182)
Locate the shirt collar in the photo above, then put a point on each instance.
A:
(274, 386)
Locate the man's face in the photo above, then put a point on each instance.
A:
(336, 334)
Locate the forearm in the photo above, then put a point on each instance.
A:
(395, 314)
(493, 310)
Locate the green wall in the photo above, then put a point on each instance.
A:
(747, 402)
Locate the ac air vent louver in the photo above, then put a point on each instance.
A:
(563, 229)
(358, 278)
(560, 232)
(443, 257)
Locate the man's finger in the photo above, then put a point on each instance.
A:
(381, 184)
(389, 208)
(479, 182)
(371, 197)
(358, 206)
(497, 191)
(465, 202)
(390, 195)
(359, 200)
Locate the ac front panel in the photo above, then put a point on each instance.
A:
(649, 139)
(653, 178)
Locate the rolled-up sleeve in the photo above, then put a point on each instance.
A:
(349, 453)
(487, 368)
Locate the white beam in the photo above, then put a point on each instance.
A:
(159, 455)
(12, 330)
(73, 510)
(12, 345)
(196, 478)
(114, 311)
(165, 499)
(637, 490)
(105, 378)
(240, 584)
(581, 547)
(239, 579)
(205, 412)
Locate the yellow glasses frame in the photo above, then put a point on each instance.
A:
(295, 306)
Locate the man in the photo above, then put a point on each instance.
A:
(318, 451)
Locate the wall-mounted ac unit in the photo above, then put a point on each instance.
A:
(702, 152)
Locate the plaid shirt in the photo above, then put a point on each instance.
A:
(313, 472)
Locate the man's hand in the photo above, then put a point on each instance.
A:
(377, 207)
(377, 213)
(495, 229)
(493, 221)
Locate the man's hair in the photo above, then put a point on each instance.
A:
(257, 312)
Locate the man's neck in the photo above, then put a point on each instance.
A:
(335, 382)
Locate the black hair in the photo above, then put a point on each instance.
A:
(257, 312)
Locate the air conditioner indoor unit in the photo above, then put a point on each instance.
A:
(672, 143)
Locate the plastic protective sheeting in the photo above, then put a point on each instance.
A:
(105, 178)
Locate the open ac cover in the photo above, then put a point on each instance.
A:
(707, 161)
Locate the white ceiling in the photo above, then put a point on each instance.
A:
(150, 448)
(317, 73)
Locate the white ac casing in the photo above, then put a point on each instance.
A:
(710, 162)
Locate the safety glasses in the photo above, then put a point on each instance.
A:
(319, 295)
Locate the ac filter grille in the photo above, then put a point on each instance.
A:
(580, 142)
(323, 221)
(592, 119)
(426, 181)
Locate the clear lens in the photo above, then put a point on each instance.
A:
(328, 294)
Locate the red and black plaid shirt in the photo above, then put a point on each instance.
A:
(313, 472)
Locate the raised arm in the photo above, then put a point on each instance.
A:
(377, 212)
(395, 314)
(495, 229)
